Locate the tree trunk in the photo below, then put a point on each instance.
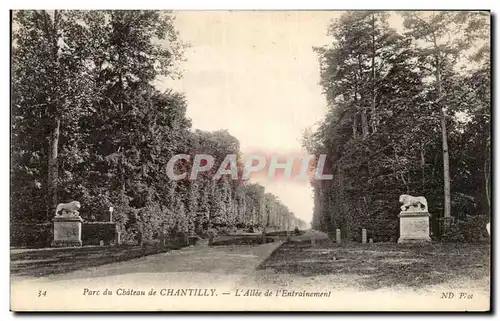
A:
(487, 173)
(355, 117)
(374, 93)
(364, 119)
(53, 114)
(487, 186)
(444, 135)
(364, 122)
(422, 162)
(446, 167)
(355, 126)
(53, 169)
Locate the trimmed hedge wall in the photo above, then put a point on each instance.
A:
(471, 229)
(380, 230)
(37, 235)
(94, 232)
(34, 235)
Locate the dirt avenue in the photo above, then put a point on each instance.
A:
(244, 273)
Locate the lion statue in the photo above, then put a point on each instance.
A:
(68, 209)
(413, 201)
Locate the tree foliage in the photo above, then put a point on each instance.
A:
(90, 74)
(383, 129)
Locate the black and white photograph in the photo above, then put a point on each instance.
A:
(250, 160)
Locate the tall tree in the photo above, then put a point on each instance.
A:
(439, 39)
(51, 77)
(401, 151)
(87, 117)
(364, 51)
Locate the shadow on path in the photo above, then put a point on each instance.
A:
(64, 264)
(374, 266)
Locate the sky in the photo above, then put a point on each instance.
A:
(255, 74)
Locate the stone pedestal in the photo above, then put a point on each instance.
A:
(414, 227)
(118, 241)
(67, 231)
(363, 236)
(163, 239)
(338, 236)
(263, 241)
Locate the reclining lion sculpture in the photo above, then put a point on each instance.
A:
(68, 209)
(413, 201)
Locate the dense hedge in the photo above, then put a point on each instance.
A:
(392, 148)
(380, 230)
(471, 229)
(37, 235)
(94, 232)
(31, 235)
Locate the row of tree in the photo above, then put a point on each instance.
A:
(88, 125)
(409, 113)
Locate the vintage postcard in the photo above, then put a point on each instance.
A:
(250, 160)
